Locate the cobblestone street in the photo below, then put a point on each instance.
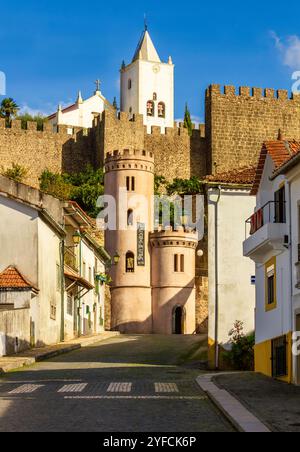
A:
(125, 384)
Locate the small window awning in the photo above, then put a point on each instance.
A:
(79, 280)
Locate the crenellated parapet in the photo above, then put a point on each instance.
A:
(168, 237)
(250, 92)
(32, 127)
(129, 159)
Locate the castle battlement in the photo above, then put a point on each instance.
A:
(248, 92)
(31, 126)
(128, 159)
(181, 236)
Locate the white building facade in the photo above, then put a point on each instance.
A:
(231, 289)
(272, 244)
(52, 270)
(80, 114)
(147, 86)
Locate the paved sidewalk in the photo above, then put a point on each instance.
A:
(275, 403)
(242, 419)
(29, 357)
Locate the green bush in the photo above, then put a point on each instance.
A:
(241, 355)
(17, 172)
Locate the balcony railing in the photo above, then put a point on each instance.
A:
(71, 259)
(272, 212)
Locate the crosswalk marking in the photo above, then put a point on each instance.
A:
(73, 388)
(166, 387)
(119, 387)
(26, 389)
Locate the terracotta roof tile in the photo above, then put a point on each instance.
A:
(281, 151)
(239, 176)
(11, 278)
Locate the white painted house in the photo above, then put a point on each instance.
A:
(231, 290)
(51, 270)
(272, 243)
(147, 86)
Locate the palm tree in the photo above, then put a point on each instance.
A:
(8, 109)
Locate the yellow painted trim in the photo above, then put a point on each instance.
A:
(270, 307)
(263, 358)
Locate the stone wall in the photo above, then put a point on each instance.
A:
(37, 151)
(238, 124)
(176, 153)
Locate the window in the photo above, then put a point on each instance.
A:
(130, 183)
(271, 301)
(150, 108)
(70, 305)
(129, 83)
(83, 269)
(179, 263)
(129, 262)
(161, 110)
(279, 357)
(280, 206)
(154, 96)
(130, 217)
(182, 263)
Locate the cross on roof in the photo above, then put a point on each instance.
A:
(97, 83)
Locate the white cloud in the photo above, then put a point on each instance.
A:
(289, 50)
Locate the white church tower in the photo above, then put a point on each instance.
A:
(147, 86)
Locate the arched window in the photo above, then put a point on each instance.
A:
(150, 108)
(161, 110)
(130, 217)
(129, 262)
(129, 83)
(154, 96)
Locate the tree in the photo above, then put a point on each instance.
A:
(187, 120)
(84, 187)
(16, 172)
(27, 117)
(191, 186)
(8, 109)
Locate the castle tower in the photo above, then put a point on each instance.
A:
(132, 172)
(173, 281)
(147, 86)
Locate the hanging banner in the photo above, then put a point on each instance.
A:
(141, 244)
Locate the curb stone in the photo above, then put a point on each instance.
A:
(241, 418)
(16, 362)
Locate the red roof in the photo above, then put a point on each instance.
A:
(64, 110)
(280, 151)
(239, 176)
(11, 278)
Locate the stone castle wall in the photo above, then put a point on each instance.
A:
(238, 124)
(37, 151)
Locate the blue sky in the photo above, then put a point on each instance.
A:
(50, 50)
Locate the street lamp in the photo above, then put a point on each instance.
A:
(116, 258)
(76, 238)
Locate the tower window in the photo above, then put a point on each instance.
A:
(130, 183)
(129, 262)
(154, 96)
(161, 110)
(179, 263)
(130, 217)
(150, 108)
(129, 83)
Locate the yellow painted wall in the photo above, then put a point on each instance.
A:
(263, 355)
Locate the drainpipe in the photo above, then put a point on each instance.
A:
(62, 290)
(217, 281)
(79, 299)
(291, 268)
